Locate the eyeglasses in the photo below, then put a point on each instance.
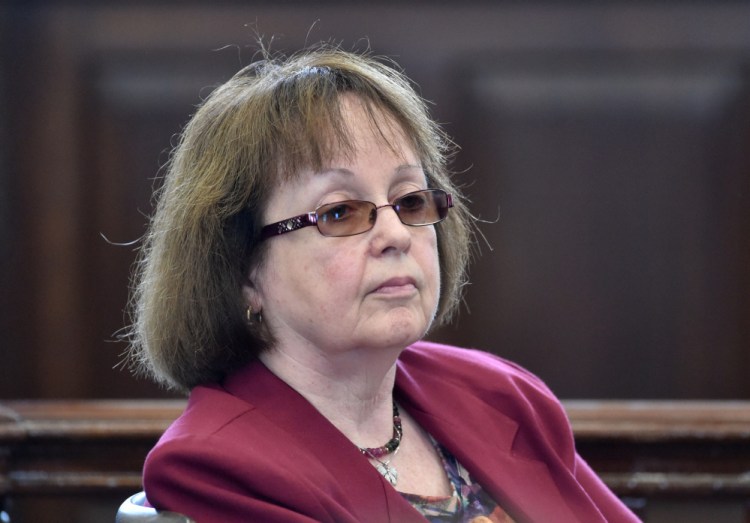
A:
(351, 217)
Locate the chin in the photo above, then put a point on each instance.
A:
(404, 331)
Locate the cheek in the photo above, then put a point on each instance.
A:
(331, 278)
(431, 264)
(339, 271)
(430, 258)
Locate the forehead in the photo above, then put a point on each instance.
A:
(336, 135)
(370, 130)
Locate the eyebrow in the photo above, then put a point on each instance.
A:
(336, 170)
(349, 172)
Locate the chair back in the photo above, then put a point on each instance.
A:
(134, 510)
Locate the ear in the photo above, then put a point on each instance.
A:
(251, 292)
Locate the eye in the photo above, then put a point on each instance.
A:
(337, 212)
(414, 202)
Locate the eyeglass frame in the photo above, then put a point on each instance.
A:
(311, 218)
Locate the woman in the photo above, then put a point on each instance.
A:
(306, 238)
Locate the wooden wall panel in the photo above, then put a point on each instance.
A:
(615, 270)
(8, 261)
(137, 104)
(638, 288)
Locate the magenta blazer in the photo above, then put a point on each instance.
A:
(253, 449)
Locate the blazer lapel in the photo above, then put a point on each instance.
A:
(513, 468)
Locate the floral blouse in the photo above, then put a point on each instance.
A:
(468, 504)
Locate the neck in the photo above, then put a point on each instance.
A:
(353, 390)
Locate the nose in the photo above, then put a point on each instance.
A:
(389, 232)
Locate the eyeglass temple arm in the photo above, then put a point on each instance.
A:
(288, 225)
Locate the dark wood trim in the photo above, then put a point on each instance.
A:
(686, 449)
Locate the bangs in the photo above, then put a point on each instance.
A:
(308, 128)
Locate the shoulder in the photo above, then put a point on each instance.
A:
(209, 410)
(211, 413)
(469, 366)
(215, 430)
(448, 354)
(439, 379)
(222, 459)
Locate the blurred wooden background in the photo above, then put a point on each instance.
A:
(606, 143)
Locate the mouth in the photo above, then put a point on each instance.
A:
(397, 286)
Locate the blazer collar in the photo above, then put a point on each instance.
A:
(355, 483)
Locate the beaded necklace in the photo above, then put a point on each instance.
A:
(377, 453)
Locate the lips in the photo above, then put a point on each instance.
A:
(396, 285)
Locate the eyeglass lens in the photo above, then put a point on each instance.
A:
(352, 217)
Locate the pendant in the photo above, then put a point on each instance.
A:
(388, 473)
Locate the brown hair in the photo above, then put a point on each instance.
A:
(270, 120)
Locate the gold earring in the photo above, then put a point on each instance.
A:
(249, 315)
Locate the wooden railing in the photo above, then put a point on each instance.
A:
(656, 449)
(647, 452)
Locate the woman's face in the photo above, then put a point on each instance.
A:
(373, 290)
